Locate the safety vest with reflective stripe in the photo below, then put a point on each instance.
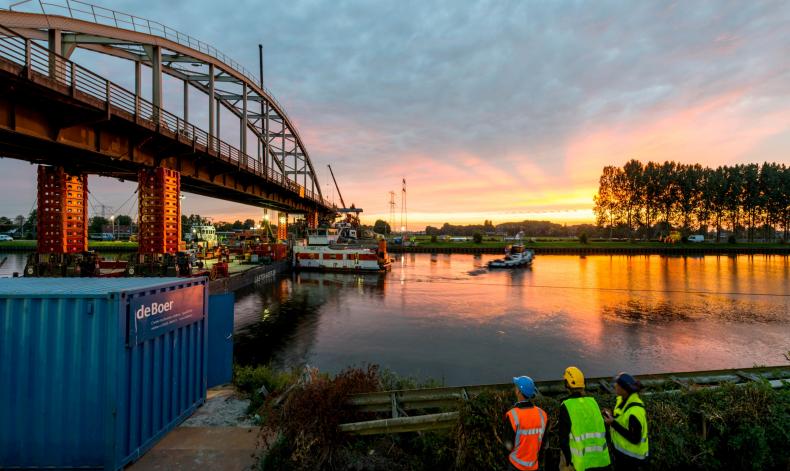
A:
(622, 415)
(529, 423)
(587, 439)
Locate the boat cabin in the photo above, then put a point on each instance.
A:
(321, 236)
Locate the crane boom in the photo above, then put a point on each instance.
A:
(338, 188)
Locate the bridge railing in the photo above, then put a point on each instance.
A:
(38, 60)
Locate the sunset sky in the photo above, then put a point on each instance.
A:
(502, 110)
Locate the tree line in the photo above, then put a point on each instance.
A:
(650, 200)
(529, 228)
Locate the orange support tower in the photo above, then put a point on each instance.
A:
(282, 227)
(62, 217)
(160, 211)
(312, 220)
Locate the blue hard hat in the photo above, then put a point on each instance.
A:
(628, 382)
(526, 386)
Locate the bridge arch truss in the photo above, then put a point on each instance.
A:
(70, 24)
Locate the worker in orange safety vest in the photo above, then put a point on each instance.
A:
(529, 423)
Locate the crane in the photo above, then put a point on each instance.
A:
(338, 188)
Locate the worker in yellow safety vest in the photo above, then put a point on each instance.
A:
(529, 423)
(628, 424)
(581, 428)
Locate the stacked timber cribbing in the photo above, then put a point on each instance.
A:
(62, 222)
(669, 250)
(160, 210)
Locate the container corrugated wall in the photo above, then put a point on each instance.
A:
(81, 385)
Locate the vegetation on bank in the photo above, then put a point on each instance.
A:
(732, 427)
(427, 242)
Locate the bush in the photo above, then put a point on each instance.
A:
(249, 380)
(433, 238)
(389, 380)
(308, 419)
(731, 239)
(477, 238)
(583, 238)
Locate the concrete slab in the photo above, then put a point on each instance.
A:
(189, 448)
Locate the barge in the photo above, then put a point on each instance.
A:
(323, 253)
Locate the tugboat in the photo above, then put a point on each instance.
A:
(515, 256)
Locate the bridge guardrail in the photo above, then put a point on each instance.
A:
(37, 59)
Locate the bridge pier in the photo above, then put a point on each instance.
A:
(282, 227)
(160, 210)
(61, 225)
(312, 219)
(159, 207)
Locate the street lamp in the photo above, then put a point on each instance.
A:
(112, 222)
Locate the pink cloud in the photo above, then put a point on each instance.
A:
(718, 131)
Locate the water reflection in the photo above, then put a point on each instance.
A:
(12, 262)
(447, 316)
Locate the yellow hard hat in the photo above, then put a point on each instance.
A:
(574, 377)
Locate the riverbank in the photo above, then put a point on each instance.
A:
(729, 426)
(498, 247)
(598, 248)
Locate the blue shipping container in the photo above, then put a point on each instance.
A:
(94, 371)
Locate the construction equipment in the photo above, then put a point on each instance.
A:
(336, 186)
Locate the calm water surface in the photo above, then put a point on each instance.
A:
(448, 317)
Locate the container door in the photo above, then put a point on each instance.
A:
(220, 338)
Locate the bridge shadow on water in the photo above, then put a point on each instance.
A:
(287, 312)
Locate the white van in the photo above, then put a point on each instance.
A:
(696, 238)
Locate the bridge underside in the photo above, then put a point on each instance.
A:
(43, 121)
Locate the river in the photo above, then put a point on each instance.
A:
(450, 318)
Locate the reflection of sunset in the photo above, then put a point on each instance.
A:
(449, 316)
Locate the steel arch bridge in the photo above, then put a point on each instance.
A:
(35, 47)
